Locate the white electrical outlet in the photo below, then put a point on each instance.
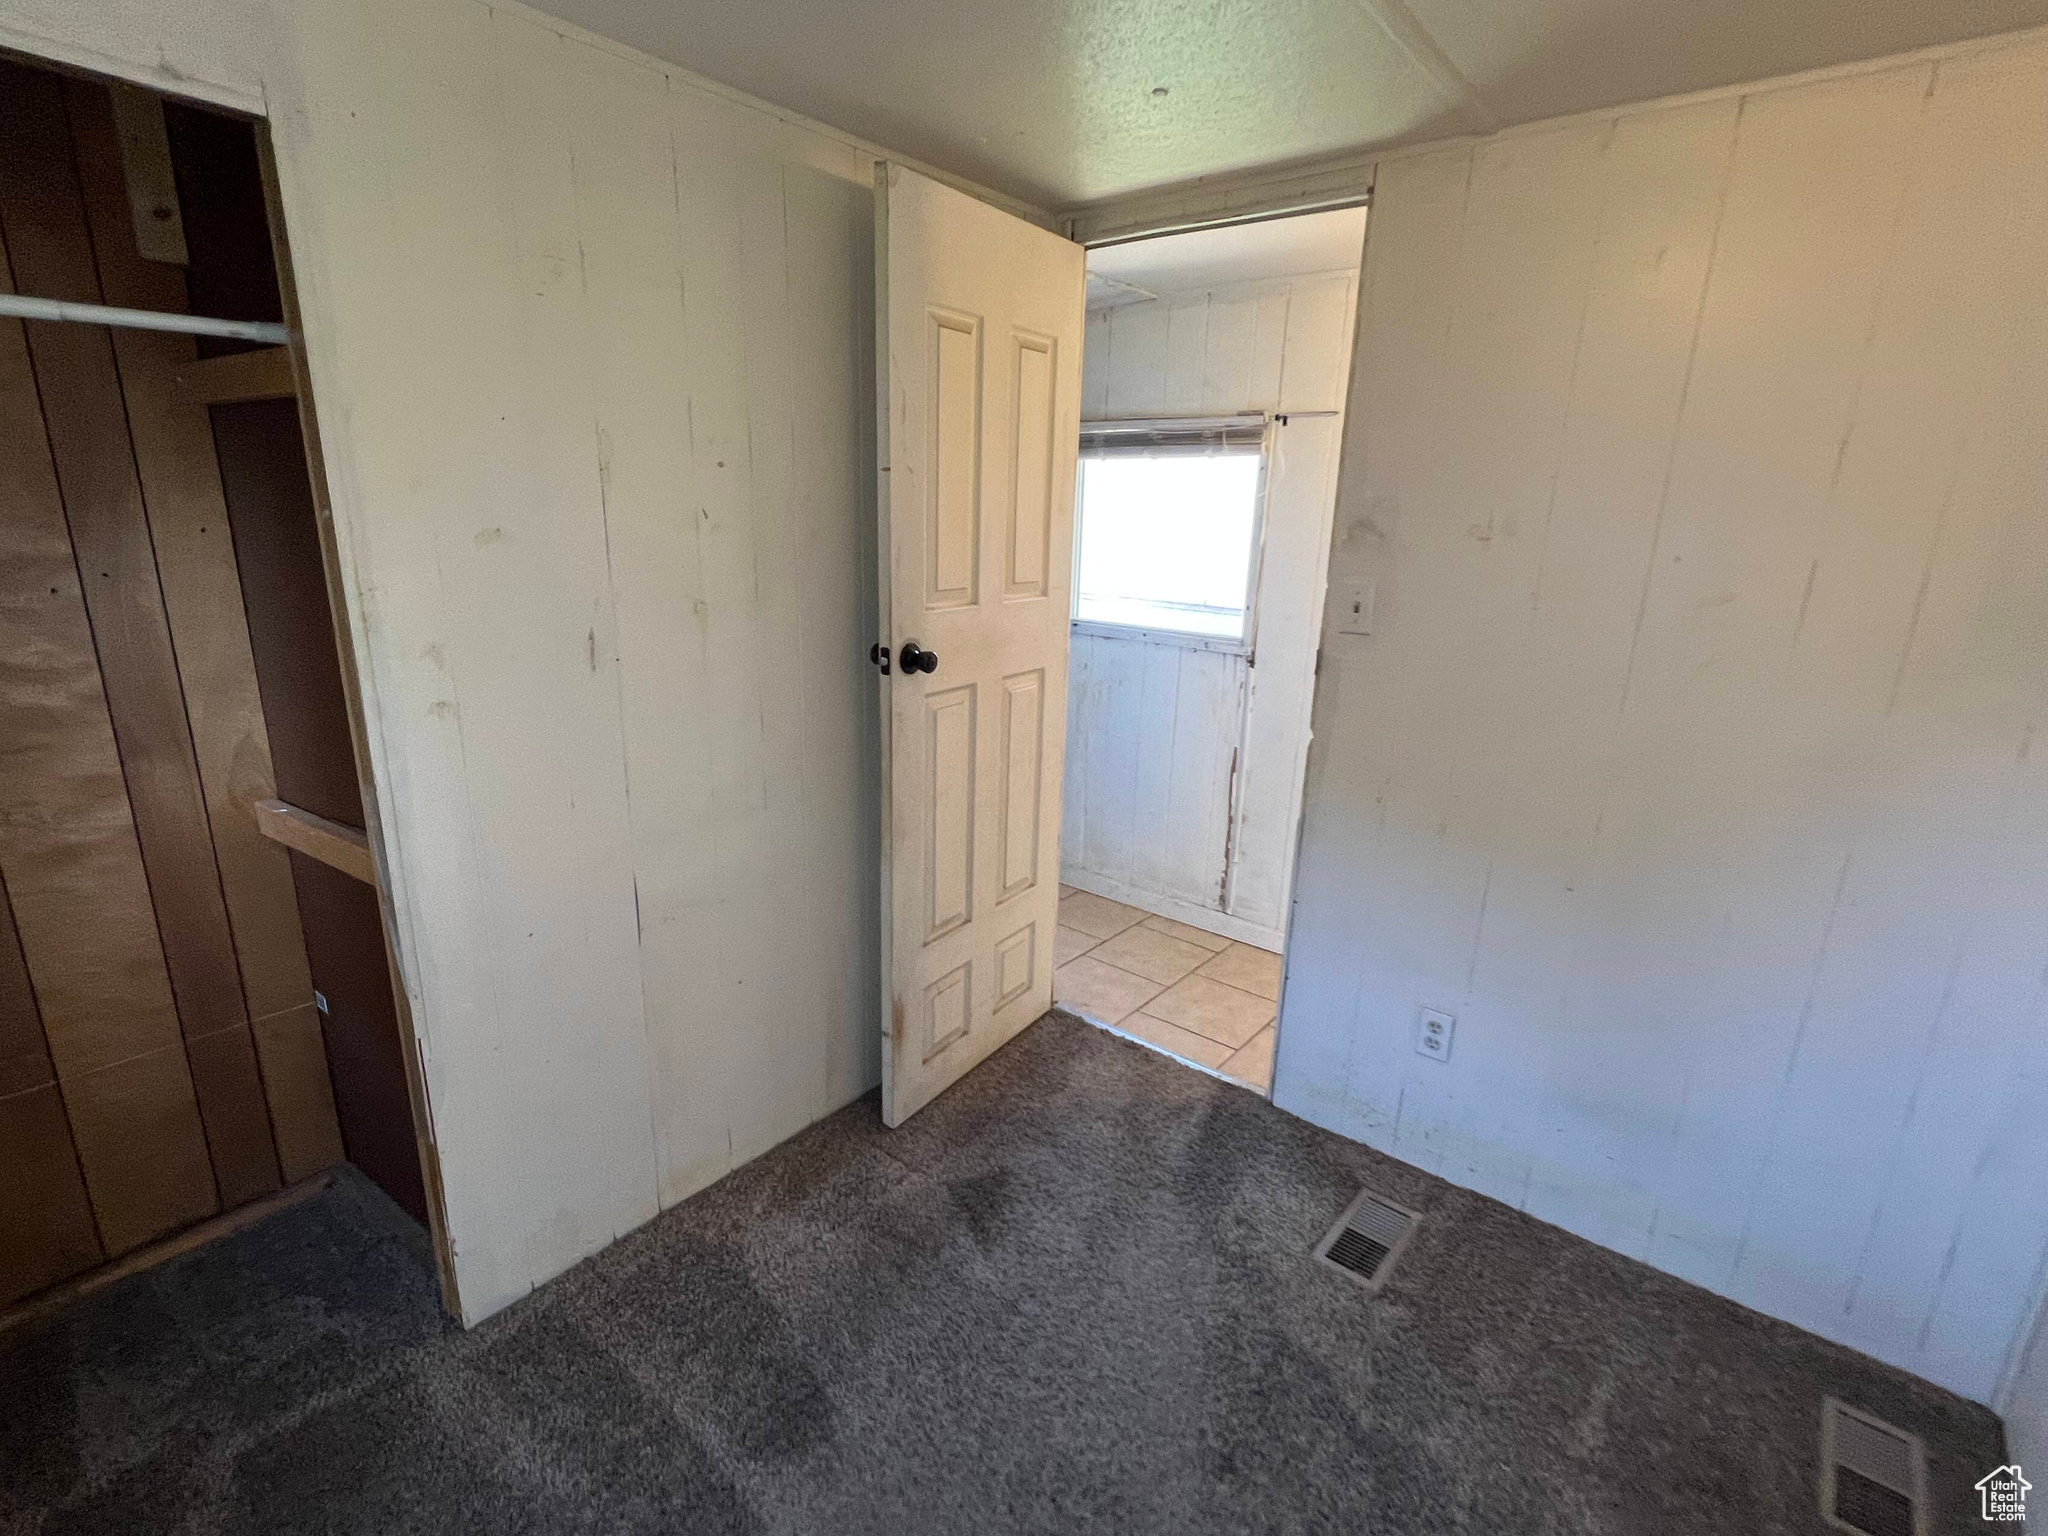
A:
(1433, 1031)
(1354, 608)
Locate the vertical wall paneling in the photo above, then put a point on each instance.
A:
(1958, 365)
(24, 1053)
(270, 506)
(829, 298)
(86, 418)
(518, 501)
(598, 336)
(1165, 740)
(789, 219)
(1148, 777)
(1300, 355)
(1780, 358)
(44, 1209)
(697, 801)
(1695, 456)
(195, 558)
(68, 848)
(399, 175)
(1095, 365)
(441, 855)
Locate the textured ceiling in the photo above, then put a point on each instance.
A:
(1056, 101)
(1234, 253)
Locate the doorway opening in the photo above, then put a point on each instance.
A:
(198, 1011)
(1215, 367)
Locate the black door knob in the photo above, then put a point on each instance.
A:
(916, 658)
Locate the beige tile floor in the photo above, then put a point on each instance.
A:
(1207, 1000)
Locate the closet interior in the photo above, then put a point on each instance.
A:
(197, 1001)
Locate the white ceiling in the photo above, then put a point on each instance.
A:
(1053, 100)
(1235, 253)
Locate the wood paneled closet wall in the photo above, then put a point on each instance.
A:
(161, 1056)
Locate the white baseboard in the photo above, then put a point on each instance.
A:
(1208, 919)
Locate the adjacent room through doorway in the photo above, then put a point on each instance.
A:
(1214, 374)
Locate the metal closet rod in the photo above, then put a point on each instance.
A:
(22, 307)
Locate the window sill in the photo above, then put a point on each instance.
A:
(1177, 637)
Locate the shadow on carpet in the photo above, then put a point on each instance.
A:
(1073, 1294)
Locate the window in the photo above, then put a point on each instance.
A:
(1168, 514)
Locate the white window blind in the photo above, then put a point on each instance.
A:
(1169, 524)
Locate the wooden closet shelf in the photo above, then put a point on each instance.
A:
(337, 846)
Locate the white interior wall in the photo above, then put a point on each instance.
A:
(1696, 453)
(600, 344)
(635, 570)
(222, 51)
(591, 345)
(1647, 1107)
(1160, 736)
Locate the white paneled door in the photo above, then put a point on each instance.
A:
(978, 367)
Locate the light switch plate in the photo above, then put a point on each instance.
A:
(1354, 608)
(1433, 1031)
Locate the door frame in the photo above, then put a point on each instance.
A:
(1225, 924)
(347, 638)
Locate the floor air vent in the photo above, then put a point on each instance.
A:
(1873, 1478)
(1367, 1239)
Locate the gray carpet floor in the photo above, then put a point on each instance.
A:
(1074, 1294)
